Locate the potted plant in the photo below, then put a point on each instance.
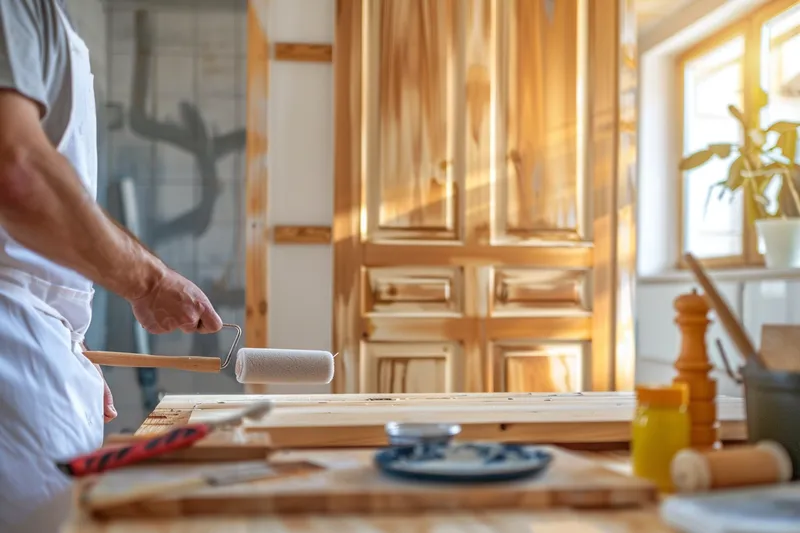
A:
(756, 166)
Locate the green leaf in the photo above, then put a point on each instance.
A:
(787, 142)
(722, 150)
(735, 178)
(784, 126)
(695, 160)
(738, 115)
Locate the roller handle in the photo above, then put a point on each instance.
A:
(106, 459)
(193, 364)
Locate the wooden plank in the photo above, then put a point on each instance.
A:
(301, 234)
(530, 256)
(220, 446)
(538, 520)
(624, 336)
(349, 483)
(255, 327)
(358, 420)
(176, 403)
(461, 328)
(347, 195)
(603, 27)
(306, 52)
(474, 127)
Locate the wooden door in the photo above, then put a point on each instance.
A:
(476, 195)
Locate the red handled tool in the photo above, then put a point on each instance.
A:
(106, 459)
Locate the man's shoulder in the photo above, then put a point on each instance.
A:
(22, 14)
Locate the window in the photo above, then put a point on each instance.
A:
(753, 65)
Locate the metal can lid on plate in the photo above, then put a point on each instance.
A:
(421, 431)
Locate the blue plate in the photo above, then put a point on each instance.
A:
(463, 462)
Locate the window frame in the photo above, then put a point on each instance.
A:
(754, 100)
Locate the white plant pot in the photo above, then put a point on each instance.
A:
(781, 241)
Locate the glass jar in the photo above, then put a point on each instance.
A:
(661, 428)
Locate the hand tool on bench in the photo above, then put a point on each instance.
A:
(106, 459)
(94, 501)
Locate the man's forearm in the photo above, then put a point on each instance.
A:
(45, 207)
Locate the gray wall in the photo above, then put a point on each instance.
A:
(174, 122)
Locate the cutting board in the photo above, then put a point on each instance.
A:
(348, 483)
(327, 421)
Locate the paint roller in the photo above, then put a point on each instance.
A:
(253, 365)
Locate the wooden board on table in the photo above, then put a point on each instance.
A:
(348, 483)
(220, 446)
(324, 421)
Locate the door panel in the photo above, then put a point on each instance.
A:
(526, 367)
(421, 291)
(541, 192)
(412, 137)
(464, 242)
(536, 292)
(404, 367)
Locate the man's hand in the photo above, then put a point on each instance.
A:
(173, 303)
(109, 412)
(45, 207)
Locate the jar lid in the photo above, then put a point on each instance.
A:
(675, 395)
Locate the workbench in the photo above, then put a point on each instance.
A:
(596, 423)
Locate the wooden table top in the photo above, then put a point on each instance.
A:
(176, 410)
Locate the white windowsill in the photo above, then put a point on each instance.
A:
(729, 274)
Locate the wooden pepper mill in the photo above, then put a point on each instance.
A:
(694, 367)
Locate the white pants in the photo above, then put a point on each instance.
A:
(51, 408)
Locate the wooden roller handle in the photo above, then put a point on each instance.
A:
(192, 364)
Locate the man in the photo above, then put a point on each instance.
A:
(54, 243)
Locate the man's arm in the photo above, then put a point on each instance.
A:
(44, 207)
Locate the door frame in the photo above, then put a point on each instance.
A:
(256, 180)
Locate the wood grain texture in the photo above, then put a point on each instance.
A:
(256, 298)
(415, 93)
(301, 235)
(325, 421)
(497, 328)
(306, 52)
(132, 492)
(442, 133)
(413, 290)
(137, 360)
(603, 25)
(554, 368)
(480, 28)
(175, 410)
(379, 254)
(481, 57)
(553, 291)
(625, 283)
(539, 521)
(543, 186)
(347, 258)
(349, 483)
(219, 447)
(403, 367)
(418, 374)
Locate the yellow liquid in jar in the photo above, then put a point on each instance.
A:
(658, 433)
